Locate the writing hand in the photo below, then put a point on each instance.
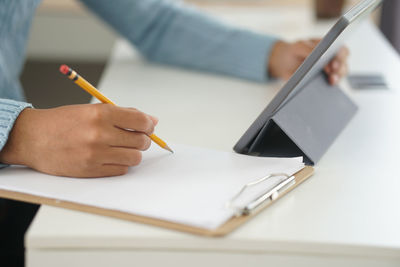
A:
(79, 140)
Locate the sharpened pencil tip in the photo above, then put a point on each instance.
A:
(169, 149)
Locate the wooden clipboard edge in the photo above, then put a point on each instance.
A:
(100, 211)
(226, 228)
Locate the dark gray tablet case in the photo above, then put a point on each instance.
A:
(307, 124)
(307, 114)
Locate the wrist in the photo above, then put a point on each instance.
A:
(275, 58)
(15, 150)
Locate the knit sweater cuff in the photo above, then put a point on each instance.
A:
(9, 112)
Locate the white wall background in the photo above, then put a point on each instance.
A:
(68, 32)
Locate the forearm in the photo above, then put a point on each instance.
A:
(172, 33)
(9, 112)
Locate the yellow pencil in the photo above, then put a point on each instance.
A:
(79, 80)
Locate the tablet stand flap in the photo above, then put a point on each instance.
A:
(309, 121)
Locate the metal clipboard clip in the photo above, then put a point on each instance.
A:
(265, 198)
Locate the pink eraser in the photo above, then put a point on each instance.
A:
(64, 69)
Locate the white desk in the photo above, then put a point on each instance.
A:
(347, 214)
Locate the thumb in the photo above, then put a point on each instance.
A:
(154, 119)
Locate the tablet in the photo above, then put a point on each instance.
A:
(309, 69)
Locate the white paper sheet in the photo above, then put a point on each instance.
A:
(191, 186)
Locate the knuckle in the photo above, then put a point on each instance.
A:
(299, 44)
(96, 112)
(89, 158)
(122, 170)
(145, 123)
(115, 171)
(136, 158)
(144, 142)
(94, 136)
(100, 111)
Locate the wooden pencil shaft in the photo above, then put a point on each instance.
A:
(72, 75)
(93, 91)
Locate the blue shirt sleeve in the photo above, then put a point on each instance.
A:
(9, 112)
(174, 33)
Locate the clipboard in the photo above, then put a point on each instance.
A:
(223, 230)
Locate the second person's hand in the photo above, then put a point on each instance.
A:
(285, 58)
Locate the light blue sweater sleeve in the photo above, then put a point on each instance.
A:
(9, 111)
(172, 33)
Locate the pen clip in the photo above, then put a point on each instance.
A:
(265, 198)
